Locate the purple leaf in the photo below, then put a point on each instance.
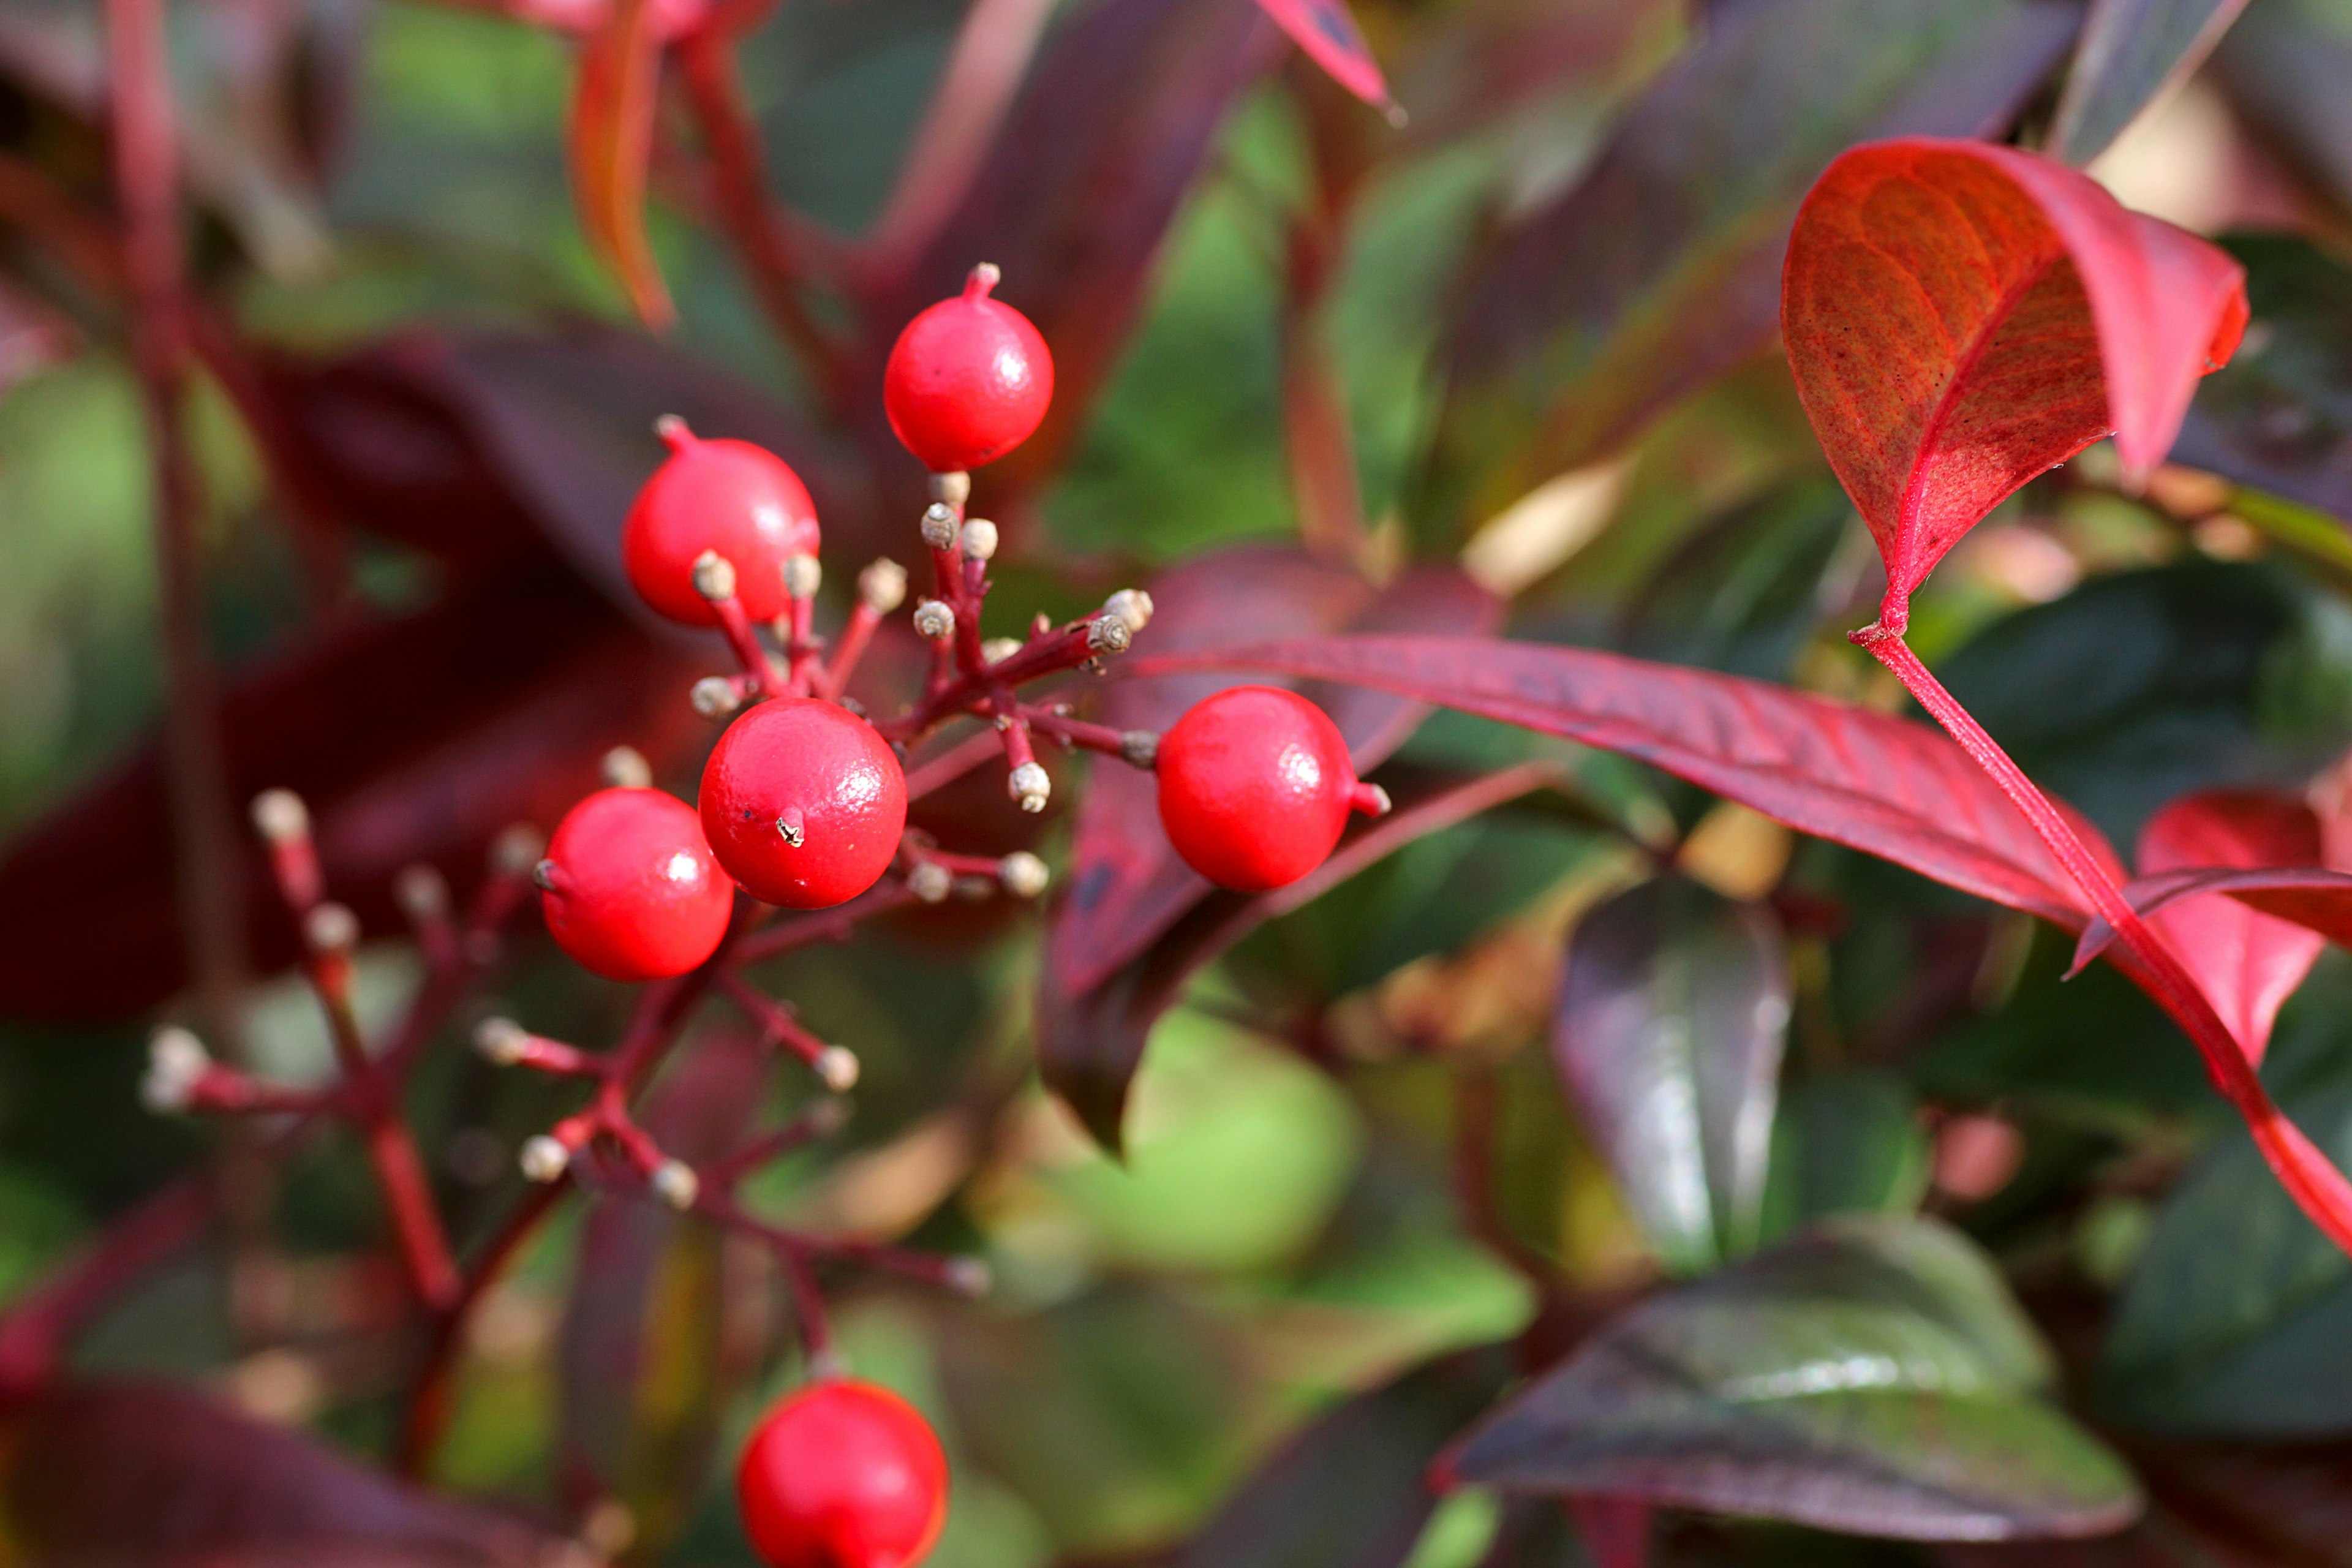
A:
(2133, 52)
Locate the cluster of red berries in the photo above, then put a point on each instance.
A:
(804, 803)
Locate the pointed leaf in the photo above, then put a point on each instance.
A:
(1878, 784)
(2132, 53)
(2247, 962)
(1961, 317)
(150, 1475)
(1668, 1036)
(611, 144)
(1874, 1377)
(2316, 899)
(1656, 272)
(2283, 66)
(1326, 30)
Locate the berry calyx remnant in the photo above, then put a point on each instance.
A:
(803, 802)
(843, 1474)
(967, 380)
(1255, 786)
(729, 497)
(629, 888)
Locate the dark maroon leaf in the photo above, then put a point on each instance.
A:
(1875, 782)
(1089, 1042)
(145, 1475)
(1873, 1376)
(1661, 268)
(1668, 1036)
(1348, 1491)
(413, 738)
(1075, 198)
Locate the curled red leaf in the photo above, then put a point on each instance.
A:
(611, 141)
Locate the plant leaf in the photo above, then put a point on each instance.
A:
(611, 144)
(1874, 783)
(1874, 1377)
(2317, 899)
(1655, 273)
(1326, 30)
(2132, 53)
(1668, 1036)
(2283, 66)
(2247, 962)
(1960, 317)
(149, 1475)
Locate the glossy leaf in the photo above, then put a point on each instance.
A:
(1845, 1143)
(150, 1475)
(1326, 30)
(1961, 317)
(1348, 1492)
(611, 144)
(1656, 272)
(1668, 1035)
(1874, 1377)
(2279, 415)
(1884, 786)
(2236, 1320)
(2246, 962)
(2132, 53)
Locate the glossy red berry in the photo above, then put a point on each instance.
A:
(843, 1474)
(967, 380)
(739, 500)
(1255, 786)
(803, 802)
(629, 888)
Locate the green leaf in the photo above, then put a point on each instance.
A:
(1668, 1035)
(1845, 1143)
(1874, 1377)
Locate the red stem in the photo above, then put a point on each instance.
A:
(2318, 1188)
(863, 621)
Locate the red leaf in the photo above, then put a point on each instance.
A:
(1615, 1531)
(2247, 962)
(1961, 317)
(1878, 784)
(2316, 899)
(1328, 32)
(611, 144)
(144, 1475)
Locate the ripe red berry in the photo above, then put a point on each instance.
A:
(843, 1474)
(803, 802)
(1255, 786)
(739, 500)
(629, 888)
(967, 380)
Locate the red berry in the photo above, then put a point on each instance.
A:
(630, 889)
(803, 802)
(967, 380)
(1255, 785)
(739, 500)
(843, 1474)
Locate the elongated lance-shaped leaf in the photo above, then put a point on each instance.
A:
(611, 144)
(2132, 53)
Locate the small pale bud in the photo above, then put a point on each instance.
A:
(979, 539)
(952, 487)
(1029, 787)
(883, 586)
(675, 1183)
(501, 1040)
(543, 1159)
(831, 1114)
(714, 575)
(1024, 875)
(331, 928)
(673, 432)
(176, 1062)
(837, 1069)
(625, 767)
(1108, 634)
(940, 526)
(996, 651)
(280, 816)
(934, 620)
(543, 875)
(516, 849)
(791, 827)
(714, 697)
(422, 894)
(968, 1276)
(1129, 606)
(931, 881)
(1372, 800)
(803, 574)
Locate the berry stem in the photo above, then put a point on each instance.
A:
(833, 679)
(758, 668)
(1057, 725)
(2314, 1184)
